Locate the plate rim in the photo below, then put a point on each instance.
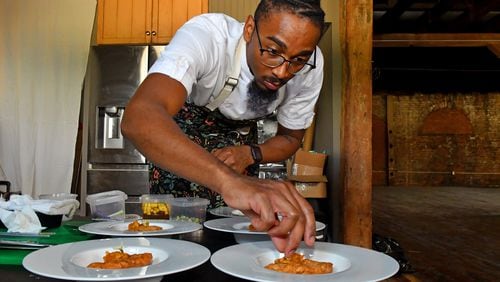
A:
(212, 212)
(188, 227)
(241, 219)
(59, 252)
(347, 251)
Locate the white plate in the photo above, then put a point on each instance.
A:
(226, 212)
(239, 227)
(350, 263)
(69, 261)
(120, 228)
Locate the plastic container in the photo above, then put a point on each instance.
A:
(58, 196)
(155, 206)
(189, 209)
(107, 205)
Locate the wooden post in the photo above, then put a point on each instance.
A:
(356, 164)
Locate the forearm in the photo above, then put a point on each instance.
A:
(282, 146)
(148, 123)
(164, 144)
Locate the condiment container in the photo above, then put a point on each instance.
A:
(155, 206)
(189, 209)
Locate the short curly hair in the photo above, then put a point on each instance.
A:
(310, 9)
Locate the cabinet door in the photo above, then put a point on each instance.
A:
(169, 15)
(124, 21)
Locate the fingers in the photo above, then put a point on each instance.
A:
(262, 200)
(310, 224)
(262, 214)
(297, 219)
(232, 157)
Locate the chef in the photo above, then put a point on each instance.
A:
(194, 115)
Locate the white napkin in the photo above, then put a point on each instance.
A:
(51, 207)
(24, 220)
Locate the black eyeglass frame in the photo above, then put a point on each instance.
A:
(262, 50)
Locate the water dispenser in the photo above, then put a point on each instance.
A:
(108, 135)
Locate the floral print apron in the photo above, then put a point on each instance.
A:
(211, 130)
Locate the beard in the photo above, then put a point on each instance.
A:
(259, 99)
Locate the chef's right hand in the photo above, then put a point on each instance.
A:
(264, 200)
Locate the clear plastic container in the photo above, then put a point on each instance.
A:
(107, 205)
(156, 206)
(189, 209)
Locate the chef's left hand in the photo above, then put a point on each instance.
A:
(236, 157)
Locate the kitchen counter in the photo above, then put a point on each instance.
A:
(213, 240)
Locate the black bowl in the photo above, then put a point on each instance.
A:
(49, 220)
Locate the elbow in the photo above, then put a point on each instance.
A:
(127, 126)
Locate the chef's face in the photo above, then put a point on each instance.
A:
(278, 46)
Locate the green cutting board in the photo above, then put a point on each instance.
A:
(66, 233)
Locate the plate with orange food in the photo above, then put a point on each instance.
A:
(116, 259)
(260, 261)
(140, 228)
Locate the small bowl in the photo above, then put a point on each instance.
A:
(50, 220)
(58, 196)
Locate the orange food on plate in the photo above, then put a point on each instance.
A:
(137, 226)
(120, 259)
(297, 264)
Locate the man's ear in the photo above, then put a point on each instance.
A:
(248, 28)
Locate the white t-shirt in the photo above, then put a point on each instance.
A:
(200, 57)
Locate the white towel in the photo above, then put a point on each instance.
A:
(23, 221)
(50, 207)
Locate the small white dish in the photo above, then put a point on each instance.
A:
(120, 228)
(239, 227)
(225, 212)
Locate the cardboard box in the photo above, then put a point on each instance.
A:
(308, 163)
(305, 170)
(310, 186)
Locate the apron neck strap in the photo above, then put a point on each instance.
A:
(232, 80)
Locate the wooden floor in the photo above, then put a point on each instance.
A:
(448, 233)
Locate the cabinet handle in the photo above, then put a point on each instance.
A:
(148, 33)
(153, 33)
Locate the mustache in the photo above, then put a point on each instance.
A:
(275, 80)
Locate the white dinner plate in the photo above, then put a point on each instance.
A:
(350, 264)
(120, 228)
(226, 212)
(68, 261)
(239, 227)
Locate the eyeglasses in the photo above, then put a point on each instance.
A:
(270, 58)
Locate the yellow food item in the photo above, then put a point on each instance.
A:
(297, 264)
(155, 210)
(120, 259)
(137, 226)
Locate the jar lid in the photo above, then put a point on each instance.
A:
(189, 202)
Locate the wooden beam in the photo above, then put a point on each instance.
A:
(495, 49)
(436, 39)
(356, 158)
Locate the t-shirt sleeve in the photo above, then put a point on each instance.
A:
(297, 109)
(186, 58)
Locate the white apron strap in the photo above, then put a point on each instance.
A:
(232, 80)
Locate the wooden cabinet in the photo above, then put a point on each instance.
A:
(143, 21)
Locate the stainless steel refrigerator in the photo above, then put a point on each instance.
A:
(109, 161)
